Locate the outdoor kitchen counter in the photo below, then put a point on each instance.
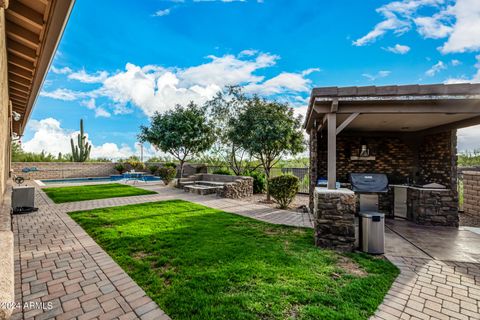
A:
(430, 206)
(418, 188)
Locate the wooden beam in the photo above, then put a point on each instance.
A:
(18, 87)
(22, 81)
(22, 63)
(347, 121)
(20, 72)
(18, 93)
(22, 35)
(21, 50)
(332, 151)
(26, 14)
(457, 108)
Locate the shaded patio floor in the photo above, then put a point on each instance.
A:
(440, 243)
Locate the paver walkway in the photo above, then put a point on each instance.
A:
(61, 273)
(57, 262)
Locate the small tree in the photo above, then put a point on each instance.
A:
(182, 132)
(268, 131)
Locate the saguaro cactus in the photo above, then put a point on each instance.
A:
(81, 151)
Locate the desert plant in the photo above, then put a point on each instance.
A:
(120, 168)
(153, 169)
(223, 171)
(284, 189)
(167, 174)
(81, 151)
(259, 181)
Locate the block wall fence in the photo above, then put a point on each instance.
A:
(60, 170)
(471, 192)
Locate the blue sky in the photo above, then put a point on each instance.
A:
(119, 61)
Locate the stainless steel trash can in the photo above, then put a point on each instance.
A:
(372, 232)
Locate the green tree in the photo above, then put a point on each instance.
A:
(226, 105)
(268, 130)
(81, 151)
(183, 132)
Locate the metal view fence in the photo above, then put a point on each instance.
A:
(300, 173)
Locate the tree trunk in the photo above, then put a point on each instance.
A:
(267, 176)
(182, 162)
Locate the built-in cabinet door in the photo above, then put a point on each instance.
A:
(400, 207)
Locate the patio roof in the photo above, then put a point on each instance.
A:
(409, 108)
(400, 109)
(33, 31)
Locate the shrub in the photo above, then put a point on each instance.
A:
(153, 169)
(284, 189)
(259, 181)
(136, 164)
(223, 171)
(167, 174)
(170, 165)
(120, 168)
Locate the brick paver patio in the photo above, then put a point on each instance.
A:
(58, 263)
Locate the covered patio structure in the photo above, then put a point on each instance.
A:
(405, 132)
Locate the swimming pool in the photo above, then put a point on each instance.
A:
(147, 178)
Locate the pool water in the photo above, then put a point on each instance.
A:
(99, 179)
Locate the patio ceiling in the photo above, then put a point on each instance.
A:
(33, 30)
(396, 108)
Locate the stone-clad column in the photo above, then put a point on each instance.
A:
(313, 164)
(334, 218)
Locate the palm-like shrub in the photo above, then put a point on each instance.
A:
(284, 189)
(167, 174)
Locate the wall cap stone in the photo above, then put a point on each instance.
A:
(341, 191)
(472, 173)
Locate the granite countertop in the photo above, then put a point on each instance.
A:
(418, 188)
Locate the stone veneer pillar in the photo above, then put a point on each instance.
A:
(334, 218)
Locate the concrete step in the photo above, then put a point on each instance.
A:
(201, 190)
(210, 183)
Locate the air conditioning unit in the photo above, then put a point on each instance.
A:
(23, 199)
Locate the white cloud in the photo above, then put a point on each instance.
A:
(455, 62)
(465, 35)
(378, 75)
(436, 68)
(468, 139)
(161, 13)
(84, 77)
(50, 137)
(154, 88)
(63, 94)
(456, 20)
(398, 49)
(99, 111)
(474, 79)
(64, 70)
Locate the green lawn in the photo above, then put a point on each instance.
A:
(202, 263)
(92, 192)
